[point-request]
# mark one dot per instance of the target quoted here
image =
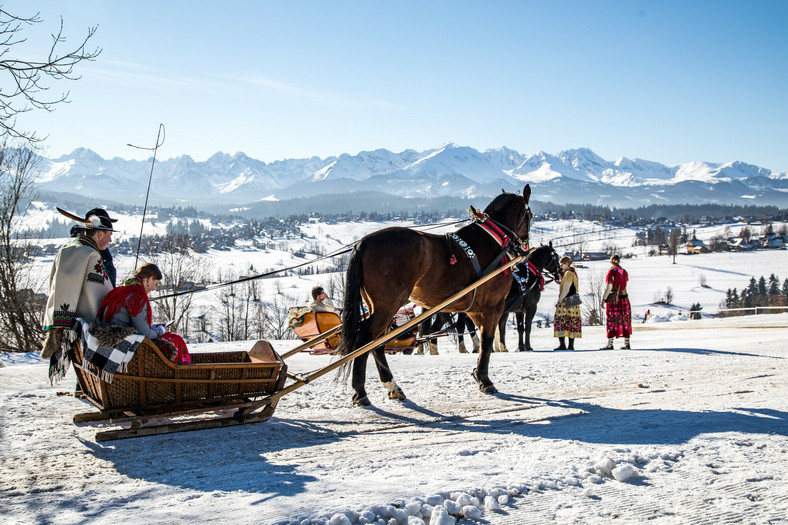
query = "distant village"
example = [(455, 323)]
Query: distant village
[(220, 232)]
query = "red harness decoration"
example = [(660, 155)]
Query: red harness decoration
[(495, 232), (534, 270)]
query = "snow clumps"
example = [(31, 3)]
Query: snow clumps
[(607, 468)]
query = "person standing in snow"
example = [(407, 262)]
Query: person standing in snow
[(78, 281), (567, 322), (617, 308)]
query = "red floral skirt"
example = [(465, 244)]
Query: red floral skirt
[(619, 318)]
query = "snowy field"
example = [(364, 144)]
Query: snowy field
[(701, 279), (688, 427), (691, 426)]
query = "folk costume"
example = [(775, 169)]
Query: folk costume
[(77, 285), (106, 256), (618, 311), (567, 321), (129, 305)]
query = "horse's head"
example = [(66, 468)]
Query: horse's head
[(553, 267), (511, 210), (545, 258)]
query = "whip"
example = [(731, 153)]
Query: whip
[(155, 149)]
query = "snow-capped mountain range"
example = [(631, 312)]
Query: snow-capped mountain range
[(577, 175)]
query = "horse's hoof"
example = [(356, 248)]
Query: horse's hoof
[(361, 401), (488, 389), (397, 394)]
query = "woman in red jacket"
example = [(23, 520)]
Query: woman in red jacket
[(617, 308), (128, 305)]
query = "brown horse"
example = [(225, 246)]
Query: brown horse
[(389, 267)]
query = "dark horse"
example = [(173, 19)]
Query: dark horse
[(459, 325), (523, 304), (389, 267)]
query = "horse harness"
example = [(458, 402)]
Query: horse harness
[(522, 281), (500, 234)]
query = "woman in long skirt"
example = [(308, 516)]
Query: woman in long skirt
[(617, 308), (567, 318)]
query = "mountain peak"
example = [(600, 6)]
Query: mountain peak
[(578, 174)]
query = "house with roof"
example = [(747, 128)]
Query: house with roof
[(697, 246), (739, 245), (773, 241)]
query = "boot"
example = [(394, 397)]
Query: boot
[(571, 343), (433, 347), (626, 344), (609, 344), (561, 344)]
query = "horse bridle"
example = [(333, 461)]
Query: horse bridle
[(518, 242), (554, 257)]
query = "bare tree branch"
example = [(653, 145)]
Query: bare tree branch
[(23, 83)]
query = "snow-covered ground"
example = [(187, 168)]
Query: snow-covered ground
[(688, 427), (691, 426)]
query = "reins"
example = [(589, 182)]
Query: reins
[(340, 251)]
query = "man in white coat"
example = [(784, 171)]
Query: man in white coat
[(79, 281)]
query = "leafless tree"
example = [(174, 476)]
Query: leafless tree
[(593, 305), (673, 243), (183, 270), (718, 243), (277, 322), (21, 300), (229, 311), (26, 82)]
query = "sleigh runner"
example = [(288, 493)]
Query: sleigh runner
[(153, 387)]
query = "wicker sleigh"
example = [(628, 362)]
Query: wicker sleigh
[(152, 387)]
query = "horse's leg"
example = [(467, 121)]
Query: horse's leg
[(459, 328), (461, 340), (486, 324), (465, 321), (530, 312), (386, 377), (359, 377), (522, 330), (426, 328), (501, 339)]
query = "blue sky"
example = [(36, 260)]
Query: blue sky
[(671, 82)]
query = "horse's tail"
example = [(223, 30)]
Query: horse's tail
[(351, 308)]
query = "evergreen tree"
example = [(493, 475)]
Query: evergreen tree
[(774, 289), (750, 294), (762, 291), (785, 292)]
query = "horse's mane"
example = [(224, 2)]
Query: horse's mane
[(499, 203)]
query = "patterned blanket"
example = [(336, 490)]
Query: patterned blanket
[(105, 361)]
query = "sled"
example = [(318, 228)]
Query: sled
[(308, 324), (152, 387)]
